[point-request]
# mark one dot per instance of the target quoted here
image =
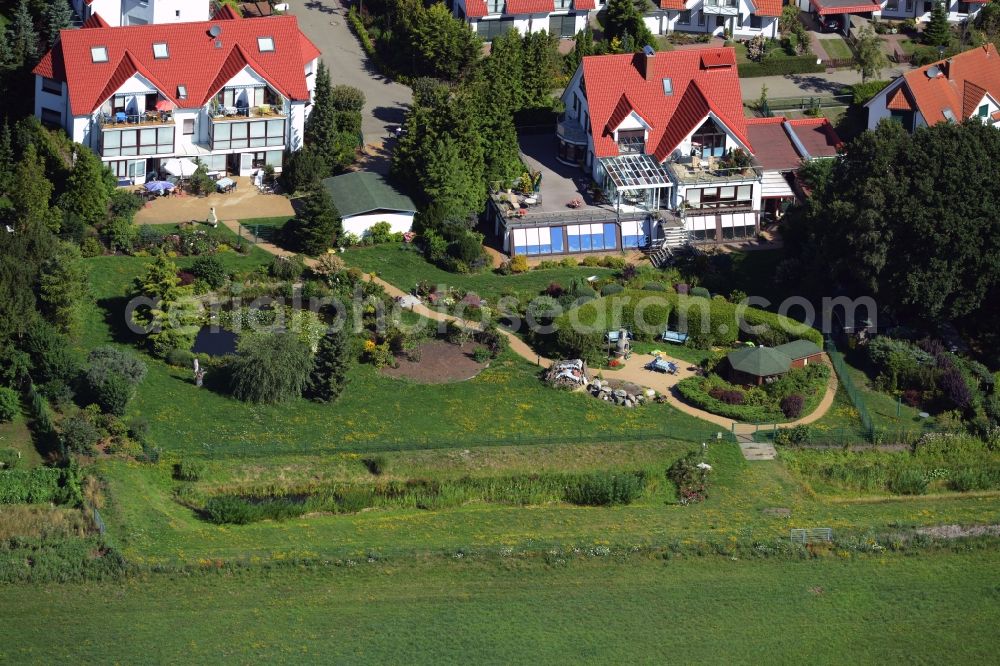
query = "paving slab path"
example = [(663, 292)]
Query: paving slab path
[(633, 371)]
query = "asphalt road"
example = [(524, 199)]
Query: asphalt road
[(325, 23)]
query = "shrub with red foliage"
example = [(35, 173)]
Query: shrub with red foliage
[(953, 385), (186, 278), (913, 397), (733, 397), (555, 290), (791, 405)]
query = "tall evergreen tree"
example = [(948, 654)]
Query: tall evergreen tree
[(6, 161), (624, 22), (63, 285), (541, 65), (321, 126), (58, 16), (86, 196), (32, 191), (330, 367), (317, 227), (937, 32), (25, 39)]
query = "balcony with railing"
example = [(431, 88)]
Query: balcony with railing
[(121, 119), (724, 7), (695, 171), (220, 113)]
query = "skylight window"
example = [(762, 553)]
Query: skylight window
[(265, 44), (99, 53), (160, 51), (668, 87), (948, 114), (182, 91)]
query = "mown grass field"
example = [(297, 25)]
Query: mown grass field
[(403, 266), (942, 608)]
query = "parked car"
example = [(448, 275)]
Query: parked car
[(832, 24)]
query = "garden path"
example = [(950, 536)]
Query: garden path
[(633, 371)]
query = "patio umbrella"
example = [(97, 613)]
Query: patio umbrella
[(164, 105), (181, 167), (159, 186)]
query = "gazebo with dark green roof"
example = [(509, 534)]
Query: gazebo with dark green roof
[(752, 365)]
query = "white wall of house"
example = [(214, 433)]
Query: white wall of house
[(359, 224), (921, 10), (531, 23), (141, 12), (179, 11), (48, 104), (666, 21)]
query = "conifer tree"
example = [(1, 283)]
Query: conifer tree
[(25, 42), (317, 227), (86, 195), (32, 189), (937, 32), (329, 374), (58, 15), (321, 126)]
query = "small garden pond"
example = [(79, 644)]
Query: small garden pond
[(215, 341)]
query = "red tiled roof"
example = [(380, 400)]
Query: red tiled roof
[(996, 115), (584, 4), (194, 62), (696, 91), (817, 136), (961, 77), (95, 21), (773, 147), (718, 58), (475, 8), (677, 5), (767, 7), (834, 8), (899, 100), (529, 7), (621, 112)]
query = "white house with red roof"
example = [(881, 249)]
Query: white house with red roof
[(668, 154), (490, 18), (143, 12), (743, 18), (965, 86), (232, 93)]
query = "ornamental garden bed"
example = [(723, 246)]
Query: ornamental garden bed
[(795, 394), (438, 362)]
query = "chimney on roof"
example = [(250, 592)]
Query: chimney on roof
[(645, 62)]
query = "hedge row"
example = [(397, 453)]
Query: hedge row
[(693, 392), (863, 92), (778, 66), (580, 331)]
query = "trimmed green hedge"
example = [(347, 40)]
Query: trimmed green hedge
[(580, 331), (863, 92), (778, 66)]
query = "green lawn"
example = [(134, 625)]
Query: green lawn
[(403, 266), (888, 609), (837, 48), (16, 435)]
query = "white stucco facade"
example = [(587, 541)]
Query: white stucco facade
[(399, 221), (142, 12), (714, 17)]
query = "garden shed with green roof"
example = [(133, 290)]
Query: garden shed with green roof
[(755, 365), (365, 198)]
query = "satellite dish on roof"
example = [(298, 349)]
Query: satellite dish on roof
[(215, 31), (933, 72), (648, 51)]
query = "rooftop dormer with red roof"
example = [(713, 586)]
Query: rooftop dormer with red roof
[(231, 93), (967, 85)]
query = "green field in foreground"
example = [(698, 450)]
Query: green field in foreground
[(938, 608)]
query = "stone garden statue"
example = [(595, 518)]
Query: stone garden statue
[(199, 374), (213, 219)]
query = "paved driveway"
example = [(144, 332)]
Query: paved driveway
[(325, 23)]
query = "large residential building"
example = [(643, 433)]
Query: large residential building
[(890, 10), (232, 93), (143, 12), (565, 18), (964, 86), (489, 18), (654, 151), (743, 18)]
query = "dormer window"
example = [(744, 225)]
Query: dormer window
[(265, 44), (99, 53), (631, 141), (160, 51), (182, 91)]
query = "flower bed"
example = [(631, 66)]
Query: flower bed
[(758, 404)]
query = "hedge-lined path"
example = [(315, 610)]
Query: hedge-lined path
[(633, 371)]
